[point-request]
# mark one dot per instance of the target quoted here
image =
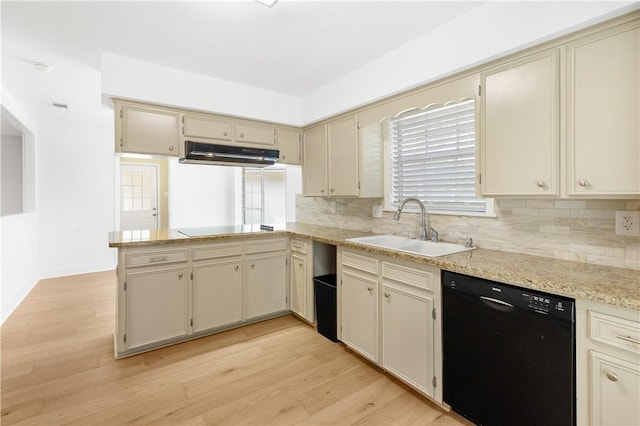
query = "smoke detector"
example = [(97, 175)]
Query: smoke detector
[(60, 105)]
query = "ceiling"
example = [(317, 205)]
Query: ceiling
[(293, 48)]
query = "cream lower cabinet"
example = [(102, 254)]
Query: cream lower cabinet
[(217, 285), (388, 315), (407, 325), (607, 365), (169, 295), (157, 305), (266, 278), (217, 294), (301, 279)]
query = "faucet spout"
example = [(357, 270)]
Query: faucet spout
[(423, 220)]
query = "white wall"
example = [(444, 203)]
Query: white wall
[(201, 195), (76, 194), (486, 32), (143, 81), (19, 265)]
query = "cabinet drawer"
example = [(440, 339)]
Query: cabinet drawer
[(407, 275), (362, 263), (156, 258), (299, 246), (617, 332), (260, 246), (255, 133), (218, 250)]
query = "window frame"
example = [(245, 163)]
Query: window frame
[(388, 204)]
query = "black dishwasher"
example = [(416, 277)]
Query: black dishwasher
[(508, 353)]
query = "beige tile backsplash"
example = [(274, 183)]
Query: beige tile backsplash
[(580, 230)]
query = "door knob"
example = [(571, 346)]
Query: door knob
[(612, 376)]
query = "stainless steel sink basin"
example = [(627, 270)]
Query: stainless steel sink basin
[(409, 245)]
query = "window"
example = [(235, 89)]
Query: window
[(264, 199), (432, 156)]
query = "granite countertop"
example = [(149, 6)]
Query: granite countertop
[(615, 286)]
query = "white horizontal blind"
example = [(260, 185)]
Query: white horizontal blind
[(433, 156)]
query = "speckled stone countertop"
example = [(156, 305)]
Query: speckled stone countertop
[(615, 286)]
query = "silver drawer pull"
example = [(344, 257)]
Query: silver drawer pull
[(628, 339), (158, 259), (612, 376)]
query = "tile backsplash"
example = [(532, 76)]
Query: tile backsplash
[(580, 230)]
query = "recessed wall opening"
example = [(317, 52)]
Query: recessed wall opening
[(17, 167)]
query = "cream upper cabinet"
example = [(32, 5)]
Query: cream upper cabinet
[(343, 157), (603, 99), (314, 169), (288, 143), (341, 160), (224, 130), (207, 127), (146, 130), (254, 133), (518, 127)]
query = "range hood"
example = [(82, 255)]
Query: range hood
[(225, 155)]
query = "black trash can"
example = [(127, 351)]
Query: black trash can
[(325, 289)]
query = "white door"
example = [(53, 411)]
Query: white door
[(138, 197)]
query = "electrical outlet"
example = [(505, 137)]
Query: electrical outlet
[(628, 223), (377, 211)]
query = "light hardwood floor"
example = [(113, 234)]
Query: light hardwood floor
[(58, 368)]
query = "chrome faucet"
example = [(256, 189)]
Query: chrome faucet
[(423, 222)]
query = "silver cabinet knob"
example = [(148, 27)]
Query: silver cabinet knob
[(541, 184), (225, 133), (154, 214), (583, 182), (242, 135), (322, 190), (171, 148), (370, 288), (235, 267), (612, 376), (284, 157), (253, 265), (332, 190), (180, 275), (386, 294)]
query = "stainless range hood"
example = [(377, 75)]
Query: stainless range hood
[(225, 155)]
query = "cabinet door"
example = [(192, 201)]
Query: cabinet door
[(407, 335), (289, 146), (519, 134), (207, 127), (298, 284), (156, 306), (343, 157), (266, 284), (217, 294), (314, 167), (360, 313), (255, 133), (604, 106), (149, 130), (615, 391)]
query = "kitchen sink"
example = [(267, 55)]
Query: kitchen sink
[(411, 245)]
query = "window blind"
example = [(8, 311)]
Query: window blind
[(433, 156)]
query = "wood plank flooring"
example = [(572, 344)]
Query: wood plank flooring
[(58, 368)]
